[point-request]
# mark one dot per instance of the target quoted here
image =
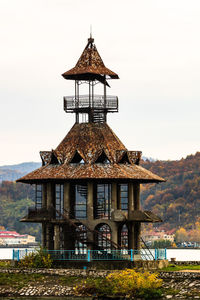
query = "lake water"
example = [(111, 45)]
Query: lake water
[(179, 254)]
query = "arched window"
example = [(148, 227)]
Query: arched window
[(124, 236), (103, 237), (81, 239)]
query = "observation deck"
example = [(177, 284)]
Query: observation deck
[(86, 103)]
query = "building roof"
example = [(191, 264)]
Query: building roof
[(90, 66), (5, 232), (91, 151)]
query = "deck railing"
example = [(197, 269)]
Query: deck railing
[(97, 102), (95, 255)]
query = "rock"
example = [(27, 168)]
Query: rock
[(191, 284)]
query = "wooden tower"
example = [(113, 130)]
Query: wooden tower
[(88, 188)]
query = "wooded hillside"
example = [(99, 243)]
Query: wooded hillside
[(176, 201), (15, 198)]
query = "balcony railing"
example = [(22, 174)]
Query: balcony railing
[(85, 103), (95, 255)]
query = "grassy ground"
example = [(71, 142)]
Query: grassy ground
[(49, 298), (172, 267), (21, 280), (5, 264)]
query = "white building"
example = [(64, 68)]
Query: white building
[(14, 238)]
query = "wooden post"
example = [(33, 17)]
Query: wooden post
[(44, 237), (67, 199), (114, 196), (131, 244), (114, 235), (44, 195), (90, 212), (136, 196), (56, 237), (49, 236), (130, 198), (137, 235), (50, 195)]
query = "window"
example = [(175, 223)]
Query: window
[(103, 159), (103, 201), (59, 200), (123, 196), (77, 159), (124, 159), (124, 236), (79, 201), (38, 196), (103, 236), (83, 118), (81, 239)]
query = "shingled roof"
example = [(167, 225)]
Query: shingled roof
[(90, 66), (91, 151)]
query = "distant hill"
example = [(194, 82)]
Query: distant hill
[(13, 172), (176, 201)]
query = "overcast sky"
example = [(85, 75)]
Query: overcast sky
[(154, 46)]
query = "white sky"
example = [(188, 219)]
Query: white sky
[(154, 46)]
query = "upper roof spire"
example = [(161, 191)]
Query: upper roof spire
[(90, 65), (90, 31), (90, 70)]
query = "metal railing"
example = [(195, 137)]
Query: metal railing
[(21, 253), (147, 251), (95, 255), (97, 102)]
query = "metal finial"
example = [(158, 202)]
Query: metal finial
[(90, 40)]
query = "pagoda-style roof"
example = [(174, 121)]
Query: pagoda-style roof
[(90, 66), (91, 151)]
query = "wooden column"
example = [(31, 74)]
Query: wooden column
[(44, 237), (130, 198), (136, 196), (68, 237), (137, 235), (114, 235), (90, 210), (50, 195), (131, 243), (137, 225), (49, 237), (56, 237), (114, 196), (49, 226), (67, 230), (44, 195), (67, 199)]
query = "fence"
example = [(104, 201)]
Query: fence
[(96, 102), (94, 255), (20, 253)]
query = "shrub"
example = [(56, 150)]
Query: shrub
[(123, 283), (38, 259)]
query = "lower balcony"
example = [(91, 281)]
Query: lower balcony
[(38, 215)]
